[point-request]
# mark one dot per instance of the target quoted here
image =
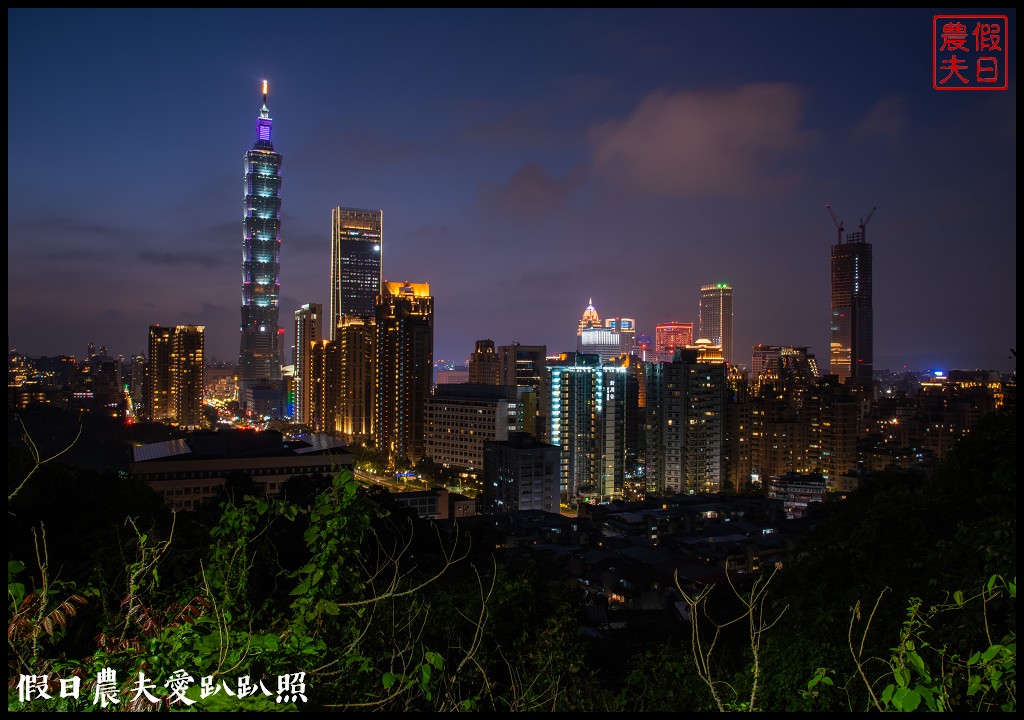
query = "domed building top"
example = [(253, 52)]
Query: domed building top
[(590, 318)]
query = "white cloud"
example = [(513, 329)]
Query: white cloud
[(704, 142)]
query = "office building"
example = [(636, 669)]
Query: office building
[(484, 365), (590, 318), (716, 317), (460, 418), (520, 473), (608, 340), (669, 337), (259, 361), (451, 376), (174, 376), (851, 351), (308, 324), (643, 348), (405, 360), (626, 329), (355, 264)]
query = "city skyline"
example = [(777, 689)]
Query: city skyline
[(527, 160)]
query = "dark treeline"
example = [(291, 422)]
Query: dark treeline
[(383, 611)]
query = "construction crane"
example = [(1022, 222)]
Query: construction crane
[(838, 222), (864, 221)]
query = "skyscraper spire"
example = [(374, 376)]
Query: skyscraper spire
[(259, 355), (263, 123)]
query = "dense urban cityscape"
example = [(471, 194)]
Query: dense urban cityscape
[(588, 526), (617, 416)]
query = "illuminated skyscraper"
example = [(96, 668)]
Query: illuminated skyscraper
[(669, 337), (851, 349), (590, 319), (259, 360), (355, 264), (608, 340), (589, 406), (716, 317), (308, 323), (405, 361), (174, 376), (357, 352)]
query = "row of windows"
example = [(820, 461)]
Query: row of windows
[(254, 472)]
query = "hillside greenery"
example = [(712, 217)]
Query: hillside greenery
[(903, 598)]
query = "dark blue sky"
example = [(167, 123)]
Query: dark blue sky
[(525, 161)]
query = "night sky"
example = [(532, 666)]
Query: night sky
[(525, 162)]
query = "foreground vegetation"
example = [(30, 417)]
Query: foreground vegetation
[(339, 599)]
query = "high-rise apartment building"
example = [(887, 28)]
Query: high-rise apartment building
[(526, 367), (669, 337), (355, 264), (357, 357), (716, 317), (736, 444), (686, 401), (589, 404), (174, 376), (137, 385), (778, 359), (324, 386), (851, 351), (308, 329), (405, 359), (259, 360), (834, 429)]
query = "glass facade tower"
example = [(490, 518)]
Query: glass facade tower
[(716, 317), (355, 264), (259, 360)]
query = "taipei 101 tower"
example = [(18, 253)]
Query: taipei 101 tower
[(259, 358)]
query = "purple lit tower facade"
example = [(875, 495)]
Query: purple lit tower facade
[(259, 360)]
